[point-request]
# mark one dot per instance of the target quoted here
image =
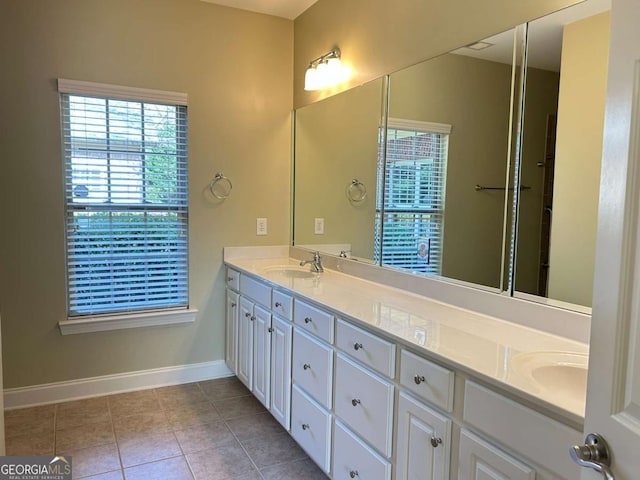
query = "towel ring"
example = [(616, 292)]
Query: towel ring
[(356, 191), (223, 185)]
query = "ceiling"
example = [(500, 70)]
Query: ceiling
[(280, 8)]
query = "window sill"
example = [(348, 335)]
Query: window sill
[(130, 320)]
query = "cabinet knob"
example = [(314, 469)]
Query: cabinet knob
[(252, 318), (278, 304), (355, 402), (353, 473), (230, 279), (419, 379), (248, 314), (307, 320), (357, 346), (435, 441), (233, 305), (305, 426), (270, 329), (306, 366)]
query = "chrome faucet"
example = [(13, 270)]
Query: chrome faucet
[(316, 263)]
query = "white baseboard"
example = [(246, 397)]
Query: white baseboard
[(110, 384)]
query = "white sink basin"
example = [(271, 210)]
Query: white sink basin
[(564, 373), (290, 271)]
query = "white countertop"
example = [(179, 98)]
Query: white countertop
[(498, 351)]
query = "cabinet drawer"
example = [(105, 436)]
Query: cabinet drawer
[(352, 458), (427, 380), (313, 367), (481, 460), (314, 320), (513, 425), (370, 349), (233, 279), (255, 290), (364, 401), (282, 304), (311, 427)]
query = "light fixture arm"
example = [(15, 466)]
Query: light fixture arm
[(334, 53)]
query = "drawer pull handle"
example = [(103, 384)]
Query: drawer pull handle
[(353, 473), (435, 441), (247, 314), (419, 379), (306, 366), (278, 304), (355, 402), (253, 317), (307, 320), (305, 426), (357, 346)]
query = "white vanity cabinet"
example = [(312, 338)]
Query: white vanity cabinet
[(365, 406), (262, 341), (312, 375)]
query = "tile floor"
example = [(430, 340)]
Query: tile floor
[(213, 430)]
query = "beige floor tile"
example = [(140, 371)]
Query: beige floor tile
[(132, 403), (89, 435), (192, 414), (170, 469), (222, 389), (38, 443), (29, 420), (204, 437), (116, 475), (302, 469), (94, 460), (153, 422), (82, 412), (237, 407), (252, 426), (180, 395), (273, 450), (224, 463), (145, 448)]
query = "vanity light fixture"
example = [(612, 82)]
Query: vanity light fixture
[(325, 71)]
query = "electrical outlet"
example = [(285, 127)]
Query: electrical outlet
[(319, 226), (261, 226)]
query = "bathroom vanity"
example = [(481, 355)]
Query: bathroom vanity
[(375, 382)]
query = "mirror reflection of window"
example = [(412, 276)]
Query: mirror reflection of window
[(410, 213)]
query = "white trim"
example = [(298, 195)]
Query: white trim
[(110, 384), (103, 323), (417, 125), (120, 91)]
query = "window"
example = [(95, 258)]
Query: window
[(411, 175), (126, 198)]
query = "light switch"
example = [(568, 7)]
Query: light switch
[(261, 226), (319, 226)]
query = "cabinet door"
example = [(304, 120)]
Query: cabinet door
[(281, 337), (245, 343), (262, 354), (479, 460), (424, 438), (232, 309)]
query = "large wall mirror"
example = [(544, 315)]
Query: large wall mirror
[(564, 103), (417, 170)]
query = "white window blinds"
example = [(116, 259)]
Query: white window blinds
[(126, 197), (410, 214)]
